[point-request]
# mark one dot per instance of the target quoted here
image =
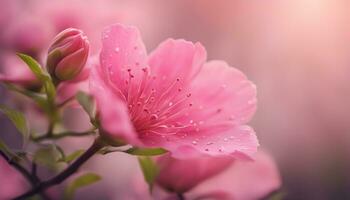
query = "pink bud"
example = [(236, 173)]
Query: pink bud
[(67, 54)]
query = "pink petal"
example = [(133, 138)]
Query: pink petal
[(71, 65), (243, 180), (123, 56), (222, 93), (176, 60), (113, 112), (182, 175), (222, 99), (239, 142)]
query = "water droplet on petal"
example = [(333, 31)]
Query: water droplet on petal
[(170, 103), (194, 142), (225, 139), (210, 143), (117, 50), (154, 117)]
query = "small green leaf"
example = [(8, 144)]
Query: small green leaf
[(47, 156), (34, 66), (150, 170), (72, 156), (41, 75), (81, 181), (146, 152), (17, 118), (86, 101)]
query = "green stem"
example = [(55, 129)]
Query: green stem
[(33, 180), (42, 186), (62, 135)]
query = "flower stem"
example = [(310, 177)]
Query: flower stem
[(42, 186), (34, 180), (62, 135)]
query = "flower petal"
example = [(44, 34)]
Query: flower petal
[(181, 175), (112, 110), (123, 55), (222, 93), (242, 180), (176, 59)]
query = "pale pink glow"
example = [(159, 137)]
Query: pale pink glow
[(172, 99), (12, 183), (17, 72)]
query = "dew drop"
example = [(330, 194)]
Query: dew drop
[(191, 121), (225, 139), (170, 103), (194, 142), (117, 50), (210, 143), (154, 117)]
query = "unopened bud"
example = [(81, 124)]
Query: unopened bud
[(67, 54)]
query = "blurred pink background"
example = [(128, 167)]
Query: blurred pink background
[(296, 52)]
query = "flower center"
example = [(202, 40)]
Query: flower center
[(155, 104)]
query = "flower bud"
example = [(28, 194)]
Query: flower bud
[(67, 54)]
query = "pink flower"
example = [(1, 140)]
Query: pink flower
[(181, 175), (172, 98), (67, 54)]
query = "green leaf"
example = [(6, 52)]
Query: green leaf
[(146, 152), (81, 181), (17, 118), (86, 101), (34, 66), (47, 156), (72, 156), (41, 75), (150, 170)]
